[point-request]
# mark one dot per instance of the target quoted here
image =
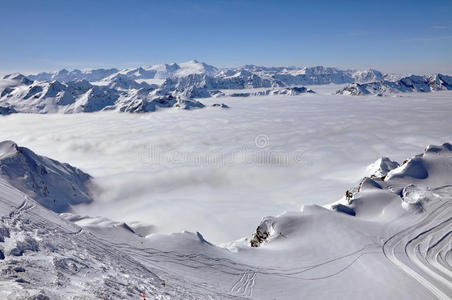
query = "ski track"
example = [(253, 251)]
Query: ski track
[(420, 249), (244, 286), (25, 206), (246, 274)]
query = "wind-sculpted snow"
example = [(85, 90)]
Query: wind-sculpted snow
[(411, 83), (54, 185), (399, 238), (412, 206), (381, 167)]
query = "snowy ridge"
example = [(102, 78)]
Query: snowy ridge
[(411, 83), (82, 96), (54, 185), (66, 76), (400, 233), (161, 71)]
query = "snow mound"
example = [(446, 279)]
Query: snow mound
[(414, 168), (381, 167), (101, 225), (406, 214), (56, 186)]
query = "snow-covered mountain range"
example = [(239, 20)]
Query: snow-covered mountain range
[(411, 83), (287, 75), (392, 230), (135, 90)]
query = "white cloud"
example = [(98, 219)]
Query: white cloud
[(227, 202)]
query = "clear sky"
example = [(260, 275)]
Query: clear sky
[(393, 36)]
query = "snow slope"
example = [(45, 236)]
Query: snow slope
[(54, 185), (399, 239)]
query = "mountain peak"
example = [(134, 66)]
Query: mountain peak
[(55, 185)]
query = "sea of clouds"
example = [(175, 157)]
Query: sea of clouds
[(219, 171)]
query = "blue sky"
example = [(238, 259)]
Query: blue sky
[(404, 36)]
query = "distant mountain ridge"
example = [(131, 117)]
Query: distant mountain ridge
[(175, 85), (65, 75), (411, 83), (288, 75)]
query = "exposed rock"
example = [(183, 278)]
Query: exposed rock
[(263, 232)]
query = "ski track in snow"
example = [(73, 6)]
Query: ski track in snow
[(25, 206), (244, 286), (421, 250)]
